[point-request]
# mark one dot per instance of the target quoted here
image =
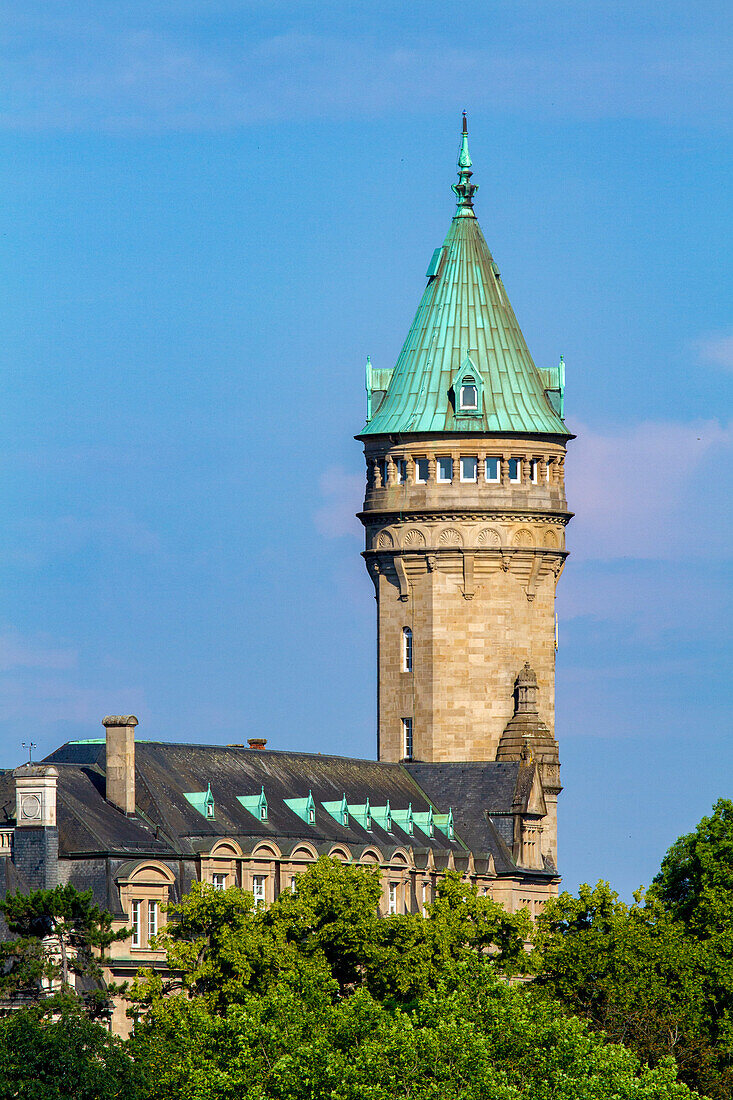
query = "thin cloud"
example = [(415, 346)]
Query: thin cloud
[(717, 349), (131, 72), (647, 491)]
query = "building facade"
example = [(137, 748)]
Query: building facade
[(464, 516)]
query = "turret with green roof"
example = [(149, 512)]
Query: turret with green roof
[(465, 326), (465, 517)]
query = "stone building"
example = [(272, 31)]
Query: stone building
[(464, 516)]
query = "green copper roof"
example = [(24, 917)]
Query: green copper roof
[(465, 325)]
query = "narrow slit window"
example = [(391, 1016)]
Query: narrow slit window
[(407, 738), (425, 898), (493, 469), (392, 898), (293, 884), (468, 469), (406, 649), (515, 470), (422, 469), (533, 471), (445, 469), (135, 923), (152, 919), (383, 471), (401, 470)]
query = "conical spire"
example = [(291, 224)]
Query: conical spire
[(464, 325), (464, 190)]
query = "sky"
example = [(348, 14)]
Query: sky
[(212, 212)]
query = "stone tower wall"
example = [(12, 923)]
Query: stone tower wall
[(471, 569)]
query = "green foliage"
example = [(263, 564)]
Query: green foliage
[(329, 934), (61, 934), (478, 1039), (69, 1058), (319, 997), (695, 882), (644, 977)]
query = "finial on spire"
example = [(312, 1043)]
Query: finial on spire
[(464, 189)]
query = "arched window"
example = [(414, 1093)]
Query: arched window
[(468, 393), (406, 649)]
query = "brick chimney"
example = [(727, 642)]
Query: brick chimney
[(121, 761), (36, 837), (257, 742)]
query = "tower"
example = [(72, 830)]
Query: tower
[(465, 514)]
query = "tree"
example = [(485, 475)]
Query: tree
[(61, 935), (329, 932), (695, 881), (318, 997), (484, 1039), (68, 1058)]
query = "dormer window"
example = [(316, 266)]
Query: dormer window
[(311, 816), (468, 394), (467, 386)]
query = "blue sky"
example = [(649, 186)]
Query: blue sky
[(212, 213)]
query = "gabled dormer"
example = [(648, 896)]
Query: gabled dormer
[(467, 390), (339, 811), (305, 808), (256, 804), (203, 801)]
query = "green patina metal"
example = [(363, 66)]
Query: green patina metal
[(405, 819), (203, 801), (362, 814), (465, 315), (256, 804), (444, 822), (305, 808), (339, 811), (425, 821)]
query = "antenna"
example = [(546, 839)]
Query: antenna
[(30, 746)]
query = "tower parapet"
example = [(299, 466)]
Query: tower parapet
[(464, 511)]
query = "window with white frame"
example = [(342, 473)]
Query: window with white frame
[(515, 470), (312, 816), (468, 468), (407, 738), (258, 889), (152, 919), (445, 469), (219, 880), (406, 649), (401, 470), (293, 884), (533, 470), (135, 939), (425, 898), (422, 471), (383, 470), (469, 394), (493, 469), (392, 909)]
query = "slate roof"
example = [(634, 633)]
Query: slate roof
[(167, 825), (464, 311)]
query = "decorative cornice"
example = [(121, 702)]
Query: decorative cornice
[(516, 515)]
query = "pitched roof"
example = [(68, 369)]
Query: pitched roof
[(465, 313), (166, 823)]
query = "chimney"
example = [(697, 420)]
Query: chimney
[(121, 761), (257, 742), (36, 837)]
